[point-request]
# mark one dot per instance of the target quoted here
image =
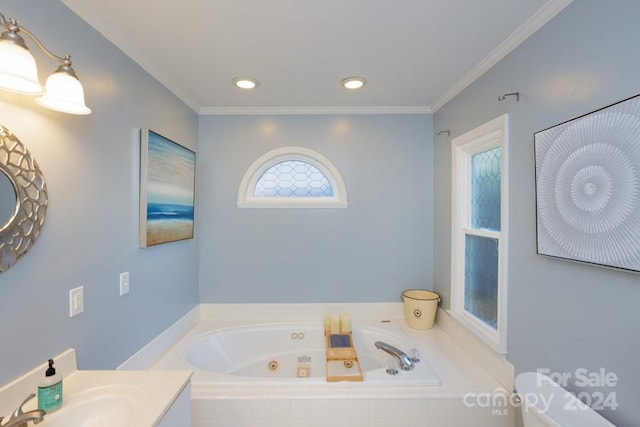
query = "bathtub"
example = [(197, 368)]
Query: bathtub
[(245, 361), (282, 356)]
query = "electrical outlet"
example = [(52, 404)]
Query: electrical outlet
[(76, 301), (124, 283)]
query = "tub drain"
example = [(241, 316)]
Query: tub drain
[(272, 365)]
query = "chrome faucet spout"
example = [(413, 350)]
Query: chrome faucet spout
[(406, 364)]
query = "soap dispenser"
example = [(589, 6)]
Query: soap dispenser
[(50, 390)]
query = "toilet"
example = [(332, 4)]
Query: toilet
[(545, 403)]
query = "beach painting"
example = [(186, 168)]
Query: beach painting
[(167, 190)]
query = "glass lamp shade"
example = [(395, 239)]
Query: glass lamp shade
[(18, 71), (63, 92)]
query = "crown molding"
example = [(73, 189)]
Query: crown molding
[(523, 32), (293, 110), (534, 23), (115, 37)]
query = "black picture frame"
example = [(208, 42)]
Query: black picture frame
[(587, 179)]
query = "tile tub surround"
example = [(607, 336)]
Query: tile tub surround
[(158, 390), (452, 403), (347, 412)]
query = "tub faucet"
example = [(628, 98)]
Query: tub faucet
[(406, 364), (20, 418)]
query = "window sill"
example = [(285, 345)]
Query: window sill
[(479, 332)]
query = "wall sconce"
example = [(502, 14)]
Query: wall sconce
[(18, 72)]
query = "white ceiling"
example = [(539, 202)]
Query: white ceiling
[(415, 54)]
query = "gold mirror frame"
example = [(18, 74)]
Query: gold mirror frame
[(19, 234)]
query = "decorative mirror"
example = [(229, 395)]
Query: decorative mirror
[(23, 199)]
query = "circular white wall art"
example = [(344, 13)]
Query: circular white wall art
[(588, 187)]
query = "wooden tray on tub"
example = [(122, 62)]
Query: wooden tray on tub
[(342, 362)]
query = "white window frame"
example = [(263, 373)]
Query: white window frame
[(485, 137), (246, 199)]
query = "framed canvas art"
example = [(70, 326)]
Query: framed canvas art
[(167, 190), (588, 187)]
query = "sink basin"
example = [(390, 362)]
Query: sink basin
[(109, 398), (104, 406)]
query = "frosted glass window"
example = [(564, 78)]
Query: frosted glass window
[(480, 222), (485, 190), (293, 178), (481, 278)]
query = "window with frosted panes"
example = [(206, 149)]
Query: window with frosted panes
[(292, 177), (479, 231)]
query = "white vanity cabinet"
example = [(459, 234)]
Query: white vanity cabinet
[(179, 414)]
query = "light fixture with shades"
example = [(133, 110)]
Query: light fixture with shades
[(353, 82), (18, 72)]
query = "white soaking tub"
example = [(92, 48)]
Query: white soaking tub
[(270, 356), (245, 361)]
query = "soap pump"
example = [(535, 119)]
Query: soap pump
[(50, 390)]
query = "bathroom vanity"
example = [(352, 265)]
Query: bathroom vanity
[(114, 398)]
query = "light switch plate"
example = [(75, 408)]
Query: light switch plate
[(124, 283), (76, 301)]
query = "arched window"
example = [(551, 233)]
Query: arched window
[(292, 177)]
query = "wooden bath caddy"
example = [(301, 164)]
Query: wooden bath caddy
[(342, 362)]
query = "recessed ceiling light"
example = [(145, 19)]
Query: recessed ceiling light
[(245, 82), (353, 82)]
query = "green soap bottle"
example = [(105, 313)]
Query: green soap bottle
[(50, 390)]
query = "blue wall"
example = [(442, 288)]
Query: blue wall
[(563, 316), (90, 236), (370, 251)]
